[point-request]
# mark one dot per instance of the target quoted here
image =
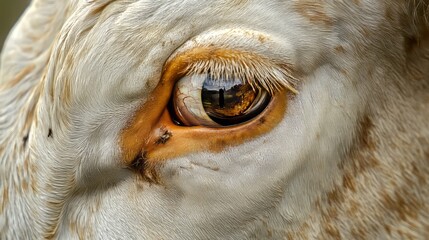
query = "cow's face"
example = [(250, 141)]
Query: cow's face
[(226, 119)]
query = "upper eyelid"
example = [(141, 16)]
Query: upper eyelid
[(257, 70)]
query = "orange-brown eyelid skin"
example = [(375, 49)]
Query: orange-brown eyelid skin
[(153, 136), (184, 140)]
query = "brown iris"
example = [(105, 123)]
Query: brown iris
[(202, 100), (231, 102)]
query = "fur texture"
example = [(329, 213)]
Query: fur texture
[(350, 159)]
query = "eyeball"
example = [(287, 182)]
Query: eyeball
[(202, 100)]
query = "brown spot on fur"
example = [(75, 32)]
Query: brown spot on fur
[(33, 168), (14, 81), (364, 162), (366, 126), (353, 208), (72, 226), (332, 213), (349, 182), (33, 185), (303, 231), (27, 48), (335, 196), (262, 38), (344, 72), (4, 199), (100, 8), (66, 92), (358, 233), (402, 203), (332, 231), (388, 229), (269, 233), (340, 49), (410, 43), (29, 119), (366, 32), (362, 157), (388, 14), (314, 12), (24, 185), (26, 165)]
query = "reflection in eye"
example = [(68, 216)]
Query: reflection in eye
[(201, 100)]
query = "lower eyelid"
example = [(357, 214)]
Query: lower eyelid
[(184, 140)]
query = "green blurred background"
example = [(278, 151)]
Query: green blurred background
[(10, 11)]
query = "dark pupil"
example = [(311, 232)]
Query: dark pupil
[(227, 101)]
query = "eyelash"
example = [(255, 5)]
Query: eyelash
[(257, 71)]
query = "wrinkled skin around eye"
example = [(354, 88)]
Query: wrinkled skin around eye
[(201, 100)]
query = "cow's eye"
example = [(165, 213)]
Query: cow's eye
[(203, 100)]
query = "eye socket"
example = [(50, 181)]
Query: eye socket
[(200, 99)]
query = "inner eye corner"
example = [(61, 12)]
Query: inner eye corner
[(172, 113)]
